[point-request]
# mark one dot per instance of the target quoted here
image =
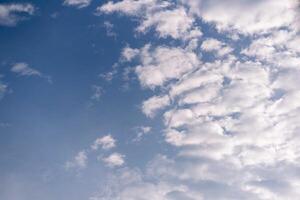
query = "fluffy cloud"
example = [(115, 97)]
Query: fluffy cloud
[(162, 64), (114, 160), (158, 14), (153, 104), (11, 14), (213, 45), (265, 15), (77, 3), (106, 142), (233, 118)]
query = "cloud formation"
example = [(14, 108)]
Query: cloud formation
[(11, 14), (106, 142), (114, 160), (23, 69), (232, 118)]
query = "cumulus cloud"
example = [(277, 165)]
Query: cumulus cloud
[(213, 45), (114, 160), (77, 3), (106, 142), (162, 64), (265, 15), (233, 119), (11, 14), (154, 104)]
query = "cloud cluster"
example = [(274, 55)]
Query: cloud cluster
[(11, 14), (233, 119), (106, 143)]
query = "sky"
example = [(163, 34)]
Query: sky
[(149, 100)]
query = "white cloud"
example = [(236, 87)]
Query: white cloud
[(114, 160), (109, 29), (106, 142), (265, 15), (23, 69), (141, 132), (163, 64), (129, 53), (213, 45), (175, 23), (234, 119), (154, 104), (77, 3), (133, 7), (157, 14), (11, 14), (79, 161)]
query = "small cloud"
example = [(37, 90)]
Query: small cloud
[(23, 69), (114, 160), (3, 89), (79, 161), (108, 76), (77, 3), (129, 53), (11, 14), (109, 29), (105, 142), (141, 132), (97, 92)]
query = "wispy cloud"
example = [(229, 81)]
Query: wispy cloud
[(77, 3), (106, 142), (23, 69), (11, 14)]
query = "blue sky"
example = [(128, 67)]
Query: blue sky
[(149, 99)]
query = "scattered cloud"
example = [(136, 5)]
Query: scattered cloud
[(160, 15), (106, 142), (141, 132), (79, 161), (13, 13), (213, 45), (114, 160), (23, 69), (97, 92), (77, 3), (233, 119), (152, 105), (109, 27)]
